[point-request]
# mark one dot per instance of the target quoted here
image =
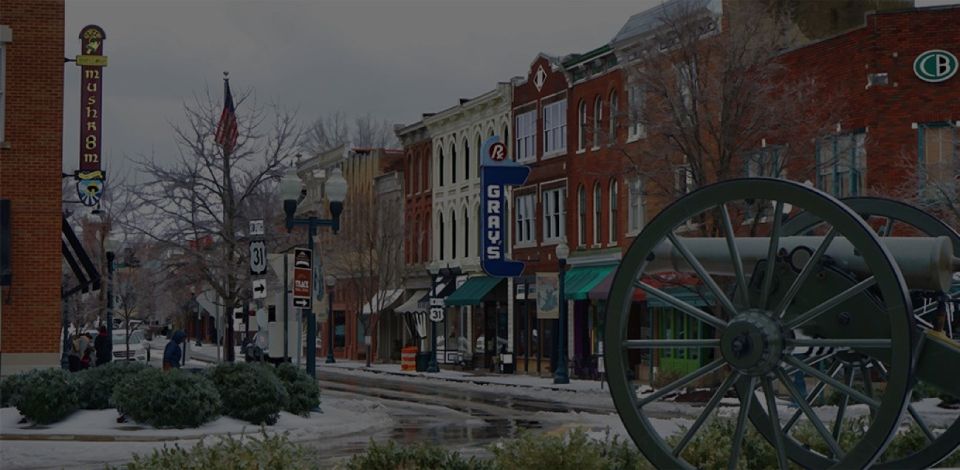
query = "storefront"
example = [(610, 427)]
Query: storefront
[(481, 320), (587, 317)]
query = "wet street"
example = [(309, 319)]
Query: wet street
[(467, 420)]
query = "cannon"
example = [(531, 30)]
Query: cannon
[(809, 289)]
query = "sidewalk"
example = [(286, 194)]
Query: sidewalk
[(474, 377)]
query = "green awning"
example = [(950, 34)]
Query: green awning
[(690, 296), (580, 281), (473, 291)]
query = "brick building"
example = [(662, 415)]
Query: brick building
[(540, 130), (31, 121)]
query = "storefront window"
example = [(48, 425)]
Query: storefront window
[(339, 329)]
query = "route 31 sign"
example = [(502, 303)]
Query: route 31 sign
[(258, 258)]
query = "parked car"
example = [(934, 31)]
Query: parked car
[(138, 346)]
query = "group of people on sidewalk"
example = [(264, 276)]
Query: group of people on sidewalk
[(85, 350)]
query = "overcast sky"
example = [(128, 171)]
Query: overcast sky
[(395, 59)]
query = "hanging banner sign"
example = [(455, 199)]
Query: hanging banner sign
[(302, 277), (91, 61), (497, 172)]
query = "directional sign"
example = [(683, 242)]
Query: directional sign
[(258, 257), (256, 227), (260, 288), (436, 302), (302, 277), (436, 314)]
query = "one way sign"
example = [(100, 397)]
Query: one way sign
[(259, 288)]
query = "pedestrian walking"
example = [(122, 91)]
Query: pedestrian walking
[(100, 345), (75, 354), (172, 354), (86, 349)]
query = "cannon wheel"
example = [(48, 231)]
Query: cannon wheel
[(892, 213), (636, 412)]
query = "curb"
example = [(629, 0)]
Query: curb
[(448, 379)]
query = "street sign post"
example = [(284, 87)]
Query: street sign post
[(302, 277), (260, 288), (256, 227), (258, 257)]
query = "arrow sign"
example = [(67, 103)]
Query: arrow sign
[(259, 288)]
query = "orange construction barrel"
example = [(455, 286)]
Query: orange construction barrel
[(408, 358)]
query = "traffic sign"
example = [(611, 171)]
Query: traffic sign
[(436, 302), (302, 277), (258, 257), (436, 314), (256, 227), (260, 288)]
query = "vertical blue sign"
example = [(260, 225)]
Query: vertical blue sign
[(496, 173)]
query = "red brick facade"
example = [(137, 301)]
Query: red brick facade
[(418, 204), (890, 115), (548, 170), (30, 166)]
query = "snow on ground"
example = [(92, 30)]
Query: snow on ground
[(57, 445)]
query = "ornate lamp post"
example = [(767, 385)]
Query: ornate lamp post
[(561, 375), (331, 282), (336, 192)]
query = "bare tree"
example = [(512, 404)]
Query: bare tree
[(367, 256), (933, 182), (707, 91), (198, 205), (338, 128)]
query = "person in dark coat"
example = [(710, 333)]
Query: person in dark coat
[(100, 344), (171, 354)]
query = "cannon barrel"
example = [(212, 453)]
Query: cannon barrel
[(927, 263)]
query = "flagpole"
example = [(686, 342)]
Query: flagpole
[(228, 311)]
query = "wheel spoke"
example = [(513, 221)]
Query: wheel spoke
[(811, 397), (867, 386), (738, 434), (716, 364), (682, 306), (844, 401), (833, 382), (811, 415), (735, 256), (830, 303), (670, 343), (921, 423), (711, 405), (866, 343), (704, 276), (805, 272), (774, 415), (772, 255)]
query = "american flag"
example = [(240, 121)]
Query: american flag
[(227, 127)]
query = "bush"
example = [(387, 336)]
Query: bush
[(302, 390), (10, 386), (96, 384), (420, 456), (266, 452), (250, 392), (46, 396), (172, 398), (573, 450)]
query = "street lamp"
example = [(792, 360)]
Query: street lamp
[(331, 282), (561, 375), (336, 191)]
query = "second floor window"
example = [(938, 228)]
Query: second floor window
[(597, 118), (613, 212), (555, 127), (683, 179), (596, 214), (614, 111), (581, 125), (526, 136), (939, 160), (525, 209), (581, 217), (635, 216), (635, 102), (842, 164), (554, 211)]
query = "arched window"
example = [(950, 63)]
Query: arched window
[(597, 118), (614, 109), (613, 212), (596, 213), (414, 253), (440, 158), (466, 233), (581, 216), (480, 231), (441, 239), (453, 162), (453, 234), (466, 159), (506, 139), (480, 157), (581, 125)]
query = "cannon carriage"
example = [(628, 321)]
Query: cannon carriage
[(810, 289)]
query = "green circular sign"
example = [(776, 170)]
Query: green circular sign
[(935, 66)]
